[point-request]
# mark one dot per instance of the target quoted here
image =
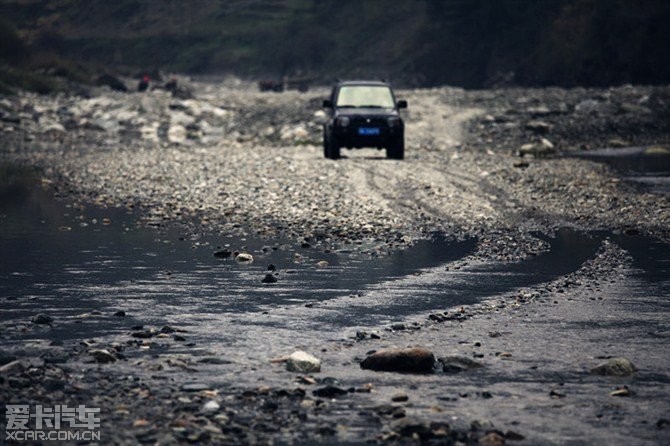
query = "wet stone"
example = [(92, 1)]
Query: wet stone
[(329, 392), (244, 257), (492, 439), (269, 278), (614, 367), (457, 364), (195, 387), (146, 334), (410, 360), (102, 356), (400, 398), (42, 319), (622, 392), (222, 254)]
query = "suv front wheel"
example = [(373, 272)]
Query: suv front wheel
[(396, 149), (331, 149)]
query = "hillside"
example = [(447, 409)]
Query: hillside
[(470, 43)]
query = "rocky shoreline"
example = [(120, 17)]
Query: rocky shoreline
[(235, 156), (233, 160)]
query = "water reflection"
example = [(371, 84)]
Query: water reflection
[(641, 165)]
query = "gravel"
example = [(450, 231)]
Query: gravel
[(234, 160), (253, 160)]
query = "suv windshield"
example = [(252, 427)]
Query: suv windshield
[(378, 96)]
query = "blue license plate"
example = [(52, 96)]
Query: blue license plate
[(368, 131)]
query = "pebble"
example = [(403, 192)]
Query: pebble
[(210, 406), (622, 392), (400, 398), (195, 387)]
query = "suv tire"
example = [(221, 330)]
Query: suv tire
[(396, 150), (330, 147)]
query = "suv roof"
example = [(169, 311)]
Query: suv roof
[(362, 82)]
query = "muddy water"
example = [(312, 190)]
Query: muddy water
[(71, 261)]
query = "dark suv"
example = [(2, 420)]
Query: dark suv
[(364, 114)]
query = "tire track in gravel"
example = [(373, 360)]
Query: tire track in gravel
[(435, 181)]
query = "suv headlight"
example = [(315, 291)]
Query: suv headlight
[(394, 121), (342, 121)]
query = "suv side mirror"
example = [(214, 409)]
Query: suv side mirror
[(327, 103), (402, 104)]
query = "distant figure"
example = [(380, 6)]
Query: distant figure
[(144, 83), (171, 85), (112, 82)]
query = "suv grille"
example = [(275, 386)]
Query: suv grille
[(368, 120)]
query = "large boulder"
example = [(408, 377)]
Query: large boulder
[(407, 360)]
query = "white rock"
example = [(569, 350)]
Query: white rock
[(298, 133), (303, 362), (211, 407), (126, 115), (181, 118), (546, 143), (177, 133), (244, 257), (150, 131), (53, 128)]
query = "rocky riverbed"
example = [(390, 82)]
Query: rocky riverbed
[(494, 167)]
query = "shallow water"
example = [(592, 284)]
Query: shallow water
[(67, 261), (651, 170)]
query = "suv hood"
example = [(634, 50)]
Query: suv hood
[(366, 112)]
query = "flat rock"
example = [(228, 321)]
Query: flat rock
[(329, 392), (195, 387), (407, 360)]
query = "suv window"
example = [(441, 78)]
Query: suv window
[(375, 96)]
